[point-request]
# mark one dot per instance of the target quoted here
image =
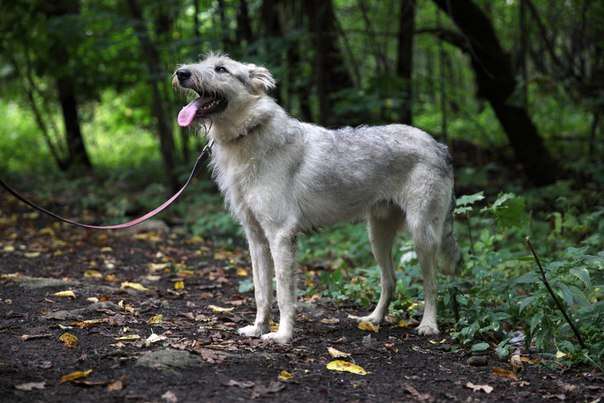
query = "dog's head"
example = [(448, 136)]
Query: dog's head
[(223, 87)]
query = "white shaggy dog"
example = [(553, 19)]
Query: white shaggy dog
[(282, 177)]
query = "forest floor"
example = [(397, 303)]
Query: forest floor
[(153, 317)]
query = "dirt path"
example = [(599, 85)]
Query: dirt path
[(142, 319)]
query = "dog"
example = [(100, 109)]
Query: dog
[(282, 177)]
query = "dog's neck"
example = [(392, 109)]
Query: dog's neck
[(249, 119)]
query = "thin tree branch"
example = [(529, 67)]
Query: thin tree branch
[(551, 292)]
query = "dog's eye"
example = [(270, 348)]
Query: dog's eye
[(220, 69)]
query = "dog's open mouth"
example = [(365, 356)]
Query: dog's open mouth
[(199, 108)]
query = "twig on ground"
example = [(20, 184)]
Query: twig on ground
[(551, 292)]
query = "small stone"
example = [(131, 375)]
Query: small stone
[(478, 360)]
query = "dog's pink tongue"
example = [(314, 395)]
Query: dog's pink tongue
[(187, 114)]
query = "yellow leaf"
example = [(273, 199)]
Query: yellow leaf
[(412, 306), (92, 274), (69, 340), (75, 375), (437, 341), (337, 353), (155, 319), (369, 327), (134, 286), (285, 376), (505, 373), (274, 327), (158, 266), (65, 294), (345, 366), (9, 248), (560, 354), (129, 337), (241, 272), (31, 255), (94, 300), (112, 278), (217, 309), (85, 324), (516, 362), (179, 285)]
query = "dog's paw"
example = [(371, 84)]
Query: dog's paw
[(252, 331), (373, 318), (277, 337), (426, 329)]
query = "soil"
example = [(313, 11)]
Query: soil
[(194, 353)]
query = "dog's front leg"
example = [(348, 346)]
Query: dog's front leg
[(262, 268), (283, 251)]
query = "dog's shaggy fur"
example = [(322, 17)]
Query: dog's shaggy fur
[(282, 177)]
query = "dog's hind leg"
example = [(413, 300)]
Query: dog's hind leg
[(426, 237), (262, 268), (384, 223)]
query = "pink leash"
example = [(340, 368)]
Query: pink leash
[(128, 224)]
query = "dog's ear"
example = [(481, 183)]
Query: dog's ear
[(261, 80)]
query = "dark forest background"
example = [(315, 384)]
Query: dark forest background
[(514, 87)]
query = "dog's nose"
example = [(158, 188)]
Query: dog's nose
[(183, 74)]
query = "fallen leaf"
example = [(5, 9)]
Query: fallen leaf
[(158, 266), (241, 272), (285, 376), (477, 388), (422, 397), (75, 375), (516, 362), (26, 337), (531, 361), (128, 337), (505, 373), (560, 354), (368, 326), (86, 324), (65, 294), (9, 248), (31, 255), (169, 397), (155, 319), (330, 321), (115, 386), (70, 340), (437, 341), (407, 324), (30, 386), (94, 300), (209, 355), (274, 327), (217, 309), (92, 274), (154, 338), (345, 366), (134, 286), (179, 285), (337, 353), (240, 384)]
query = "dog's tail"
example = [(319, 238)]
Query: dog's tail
[(449, 253)]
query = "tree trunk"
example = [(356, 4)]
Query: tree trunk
[(77, 156), (153, 63), (331, 75), (271, 28), (404, 61), (496, 83), (244, 27)]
